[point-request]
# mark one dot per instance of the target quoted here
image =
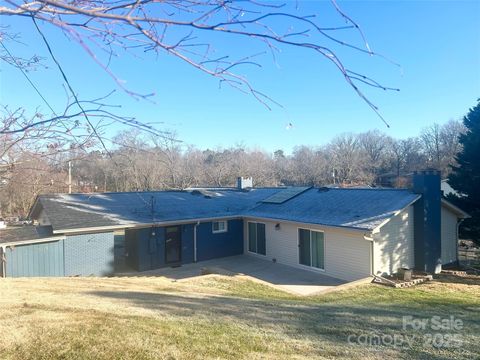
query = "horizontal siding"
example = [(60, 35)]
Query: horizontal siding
[(394, 244), (347, 254), (449, 236)]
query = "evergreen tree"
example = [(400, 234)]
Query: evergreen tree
[(465, 176)]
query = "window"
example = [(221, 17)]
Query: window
[(219, 227), (311, 248), (256, 238)]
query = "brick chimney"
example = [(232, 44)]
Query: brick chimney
[(427, 221)]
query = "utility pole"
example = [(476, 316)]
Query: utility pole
[(69, 176)]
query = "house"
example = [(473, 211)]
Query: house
[(343, 233)]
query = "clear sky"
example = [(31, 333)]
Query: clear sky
[(437, 44)]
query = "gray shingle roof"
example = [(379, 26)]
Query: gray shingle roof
[(71, 211), (353, 208), (26, 232)]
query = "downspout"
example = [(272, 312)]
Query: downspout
[(459, 222), (369, 237), (3, 260), (195, 241)]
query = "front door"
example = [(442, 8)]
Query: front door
[(173, 243)]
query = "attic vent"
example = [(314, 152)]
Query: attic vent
[(323, 189)]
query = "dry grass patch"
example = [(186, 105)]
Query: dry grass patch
[(220, 317)]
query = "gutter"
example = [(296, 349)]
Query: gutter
[(195, 241), (459, 222), (348, 229), (369, 237), (75, 231), (35, 241), (140, 225)]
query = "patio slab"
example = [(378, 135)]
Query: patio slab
[(283, 277)]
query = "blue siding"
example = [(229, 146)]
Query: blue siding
[(89, 254), (211, 246), (145, 251), (42, 259)]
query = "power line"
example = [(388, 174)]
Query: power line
[(69, 85), (19, 67), (28, 79)]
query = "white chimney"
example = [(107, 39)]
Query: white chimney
[(244, 183)]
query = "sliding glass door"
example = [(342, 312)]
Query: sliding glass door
[(256, 238), (311, 248)]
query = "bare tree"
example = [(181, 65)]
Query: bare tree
[(347, 162), (155, 164), (308, 166), (31, 176), (432, 143), (406, 156), (185, 29), (450, 137), (374, 145), (180, 28), (441, 144)]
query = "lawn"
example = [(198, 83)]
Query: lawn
[(221, 317)]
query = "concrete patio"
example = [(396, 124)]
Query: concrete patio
[(283, 277)]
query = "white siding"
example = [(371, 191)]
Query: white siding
[(449, 236), (347, 253), (394, 244)]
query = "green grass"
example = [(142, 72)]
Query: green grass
[(220, 317)]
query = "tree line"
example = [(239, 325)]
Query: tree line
[(140, 162)]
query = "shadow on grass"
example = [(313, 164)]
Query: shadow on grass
[(329, 321), (456, 279)]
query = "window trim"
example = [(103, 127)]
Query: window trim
[(310, 267), (248, 238), (224, 230)]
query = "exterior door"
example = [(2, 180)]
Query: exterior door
[(173, 244)]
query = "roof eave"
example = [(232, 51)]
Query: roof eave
[(142, 225), (341, 227), (462, 214), (386, 221), (32, 241)]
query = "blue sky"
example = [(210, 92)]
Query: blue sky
[(437, 44)]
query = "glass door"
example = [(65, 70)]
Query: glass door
[(311, 248), (173, 243)]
